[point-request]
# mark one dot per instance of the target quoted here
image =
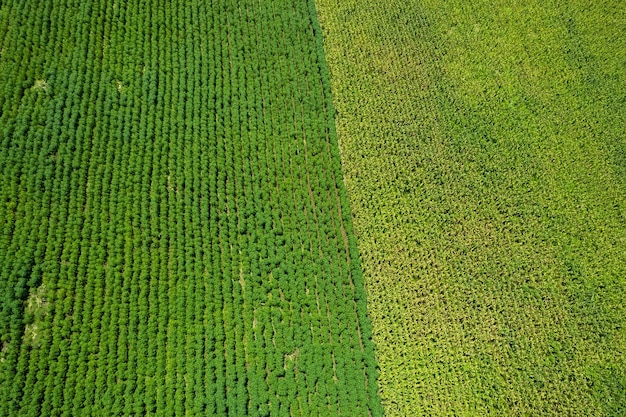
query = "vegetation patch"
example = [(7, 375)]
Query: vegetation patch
[(175, 236), (483, 150)]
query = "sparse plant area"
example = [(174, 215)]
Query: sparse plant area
[(40, 85)]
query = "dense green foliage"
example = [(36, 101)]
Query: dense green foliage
[(175, 236), (484, 155)]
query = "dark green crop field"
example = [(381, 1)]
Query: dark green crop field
[(484, 151), (175, 236)]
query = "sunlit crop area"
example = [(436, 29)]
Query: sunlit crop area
[(484, 152)]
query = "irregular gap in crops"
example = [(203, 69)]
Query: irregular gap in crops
[(483, 151), (175, 235)]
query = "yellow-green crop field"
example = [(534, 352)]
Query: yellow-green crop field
[(484, 151)]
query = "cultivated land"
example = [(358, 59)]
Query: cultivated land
[(484, 155), (175, 236)]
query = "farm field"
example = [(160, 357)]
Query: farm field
[(175, 235), (484, 155)]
